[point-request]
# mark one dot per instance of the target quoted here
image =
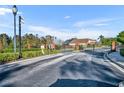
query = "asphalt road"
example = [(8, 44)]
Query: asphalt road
[(79, 69)]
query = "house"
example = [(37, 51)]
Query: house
[(67, 42), (77, 43), (52, 45)]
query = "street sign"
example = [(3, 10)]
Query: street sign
[(22, 20)]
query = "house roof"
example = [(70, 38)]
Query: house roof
[(81, 40)]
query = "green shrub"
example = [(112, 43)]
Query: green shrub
[(32, 49), (6, 57), (1, 51), (29, 54), (122, 52), (54, 51), (9, 50)]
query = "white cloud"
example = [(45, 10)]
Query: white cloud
[(4, 11), (101, 24), (94, 34), (66, 34), (60, 33), (67, 17), (93, 22)]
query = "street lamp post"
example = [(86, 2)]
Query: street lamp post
[(14, 10)]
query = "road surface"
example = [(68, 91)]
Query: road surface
[(79, 69)]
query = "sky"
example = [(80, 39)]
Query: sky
[(65, 21)]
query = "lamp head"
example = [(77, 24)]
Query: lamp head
[(14, 10)]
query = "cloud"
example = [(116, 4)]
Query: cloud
[(93, 33), (67, 17), (93, 22), (4, 11), (66, 34), (41, 30), (101, 24)]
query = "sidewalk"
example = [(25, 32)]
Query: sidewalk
[(116, 57), (118, 62)]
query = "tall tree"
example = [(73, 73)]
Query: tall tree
[(30, 40), (120, 37), (27, 40), (108, 41), (11, 43), (49, 40), (4, 40), (101, 37), (43, 41), (37, 41)]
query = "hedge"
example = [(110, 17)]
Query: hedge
[(29, 54), (54, 51), (6, 57), (122, 52), (9, 50)]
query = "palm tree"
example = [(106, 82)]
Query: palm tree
[(101, 37), (49, 40), (43, 41), (37, 41)]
